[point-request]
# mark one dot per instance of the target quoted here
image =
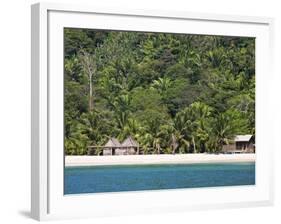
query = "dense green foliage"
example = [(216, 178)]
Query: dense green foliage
[(173, 93)]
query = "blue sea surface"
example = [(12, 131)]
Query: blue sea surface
[(118, 178)]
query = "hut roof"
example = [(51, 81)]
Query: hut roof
[(112, 142), (130, 142), (242, 138)]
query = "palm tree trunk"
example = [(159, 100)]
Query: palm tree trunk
[(174, 143), (90, 91), (194, 146), (174, 150), (158, 148)]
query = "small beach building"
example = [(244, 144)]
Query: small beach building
[(241, 144), (111, 147), (130, 146)]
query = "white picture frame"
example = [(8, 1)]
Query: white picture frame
[(47, 198)]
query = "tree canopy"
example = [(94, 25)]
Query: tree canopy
[(173, 93)]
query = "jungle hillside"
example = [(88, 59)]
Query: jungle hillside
[(173, 93)]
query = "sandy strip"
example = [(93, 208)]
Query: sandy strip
[(157, 159)]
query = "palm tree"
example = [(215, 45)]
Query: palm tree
[(217, 57), (222, 130), (178, 141), (162, 84), (145, 142), (190, 128), (157, 144), (121, 107), (200, 114), (133, 128), (182, 126)]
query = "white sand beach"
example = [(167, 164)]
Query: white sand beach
[(157, 159)]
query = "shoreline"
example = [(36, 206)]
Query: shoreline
[(73, 161)]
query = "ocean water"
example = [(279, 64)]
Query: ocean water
[(118, 178)]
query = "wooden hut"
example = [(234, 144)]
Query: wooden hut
[(246, 143), (111, 147), (241, 144), (130, 146)]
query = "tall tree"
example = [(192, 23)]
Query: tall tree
[(89, 66)]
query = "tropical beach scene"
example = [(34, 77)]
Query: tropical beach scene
[(155, 111)]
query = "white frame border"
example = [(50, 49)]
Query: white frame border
[(40, 105)]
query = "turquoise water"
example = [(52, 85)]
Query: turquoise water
[(154, 177)]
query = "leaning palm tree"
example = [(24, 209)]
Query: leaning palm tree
[(157, 144), (174, 143), (178, 141)]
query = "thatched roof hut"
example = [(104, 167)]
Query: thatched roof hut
[(130, 146), (111, 146), (112, 142), (130, 143)]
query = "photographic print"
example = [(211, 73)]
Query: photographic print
[(154, 111)]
